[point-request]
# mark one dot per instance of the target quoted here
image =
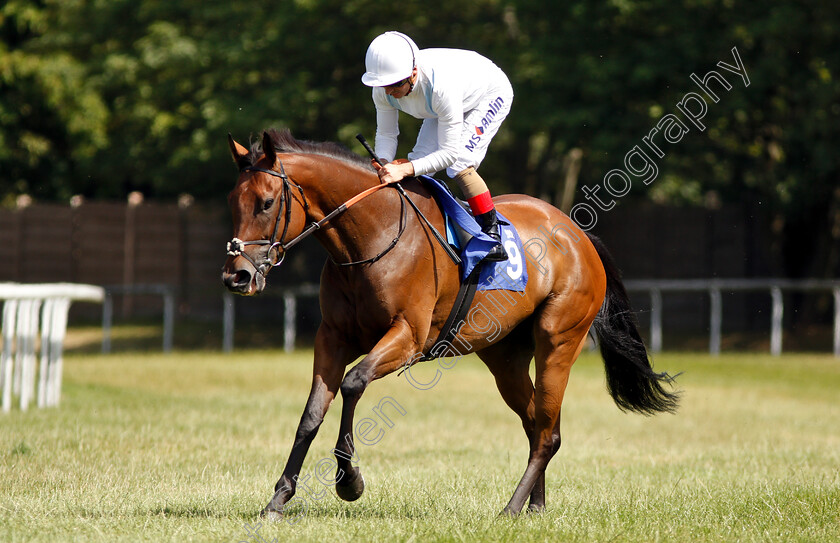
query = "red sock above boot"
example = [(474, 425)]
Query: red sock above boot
[(481, 204)]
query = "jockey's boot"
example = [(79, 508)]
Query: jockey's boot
[(481, 205), (490, 226)]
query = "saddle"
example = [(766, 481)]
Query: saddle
[(456, 234), (464, 233)]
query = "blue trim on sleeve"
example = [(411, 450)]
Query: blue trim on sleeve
[(393, 101), (429, 94)]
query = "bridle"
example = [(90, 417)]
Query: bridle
[(236, 246)]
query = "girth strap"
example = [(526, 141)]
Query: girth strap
[(462, 304)]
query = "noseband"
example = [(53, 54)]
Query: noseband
[(236, 247)]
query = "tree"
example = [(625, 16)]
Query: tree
[(105, 97)]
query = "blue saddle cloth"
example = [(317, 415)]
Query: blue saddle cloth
[(510, 274)]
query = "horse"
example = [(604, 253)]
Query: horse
[(387, 288)]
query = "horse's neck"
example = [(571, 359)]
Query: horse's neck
[(329, 183)]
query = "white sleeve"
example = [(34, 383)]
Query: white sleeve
[(387, 127), (449, 108)]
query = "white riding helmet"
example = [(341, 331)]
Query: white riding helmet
[(390, 58)]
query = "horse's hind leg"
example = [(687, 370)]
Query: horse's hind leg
[(509, 361), (556, 350)]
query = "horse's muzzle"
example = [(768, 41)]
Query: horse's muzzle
[(243, 281)]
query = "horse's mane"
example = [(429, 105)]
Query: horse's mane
[(284, 142)]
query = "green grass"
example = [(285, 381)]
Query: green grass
[(187, 447)]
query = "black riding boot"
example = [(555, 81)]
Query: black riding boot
[(490, 226)]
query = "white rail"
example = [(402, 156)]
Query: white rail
[(166, 292), (654, 287), (775, 287), (289, 295), (26, 308)]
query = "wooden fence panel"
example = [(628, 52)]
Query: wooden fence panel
[(46, 243), (109, 243), (100, 242), (206, 229), (157, 245), (11, 224)]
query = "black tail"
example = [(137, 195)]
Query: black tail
[(631, 381)]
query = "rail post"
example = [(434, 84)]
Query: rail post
[(289, 321), (228, 321), (655, 320), (716, 318), (776, 321), (836, 292)]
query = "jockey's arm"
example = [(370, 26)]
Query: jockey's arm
[(387, 129), (450, 123)]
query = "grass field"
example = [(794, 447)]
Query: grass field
[(187, 447)]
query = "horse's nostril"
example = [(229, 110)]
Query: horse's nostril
[(237, 280), (241, 277)]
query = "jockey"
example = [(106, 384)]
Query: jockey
[(462, 98)]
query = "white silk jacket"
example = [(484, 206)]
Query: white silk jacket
[(451, 83)]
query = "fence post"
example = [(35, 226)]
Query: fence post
[(128, 255), (837, 322), (228, 316), (656, 320), (47, 316), (168, 319), (56, 361), (289, 321), (10, 308), (27, 332), (107, 321), (776, 321), (715, 322)]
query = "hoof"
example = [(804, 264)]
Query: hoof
[(536, 509), (351, 491), (508, 513), (271, 515)]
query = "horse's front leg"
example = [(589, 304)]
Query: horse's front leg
[(332, 356), (390, 353)]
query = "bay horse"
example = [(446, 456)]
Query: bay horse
[(387, 289)]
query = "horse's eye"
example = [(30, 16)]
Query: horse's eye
[(268, 203)]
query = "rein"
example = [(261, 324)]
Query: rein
[(236, 246)]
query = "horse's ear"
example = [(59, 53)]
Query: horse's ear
[(268, 149), (239, 153)]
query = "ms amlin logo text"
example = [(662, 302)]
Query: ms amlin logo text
[(495, 107), (671, 128)]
